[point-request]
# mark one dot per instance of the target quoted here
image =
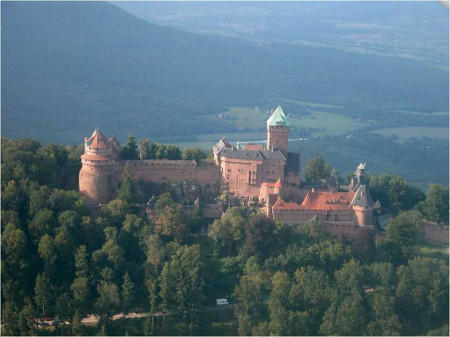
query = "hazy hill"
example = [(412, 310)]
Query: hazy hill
[(409, 29), (68, 67)]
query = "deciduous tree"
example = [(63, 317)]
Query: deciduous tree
[(405, 231), (195, 153), (42, 292), (317, 169)]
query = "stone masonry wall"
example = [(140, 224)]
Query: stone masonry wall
[(98, 183), (244, 177), (436, 233), (277, 136), (165, 170), (241, 176), (303, 215), (364, 215)]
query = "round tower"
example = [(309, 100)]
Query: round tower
[(364, 215), (362, 205), (278, 127), (98, 180)]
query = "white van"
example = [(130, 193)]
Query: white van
[(222, 301)]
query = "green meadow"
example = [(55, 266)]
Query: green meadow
[(327, 123), (415, 132)]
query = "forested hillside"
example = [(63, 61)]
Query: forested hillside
[(91, 64), (60, 261)]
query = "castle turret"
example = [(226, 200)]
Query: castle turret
[(359, 178), (362, 205), (278, 131), (98, 179)]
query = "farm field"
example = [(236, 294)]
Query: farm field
[(314, 105), (415, 132), (326, 123), (435, 113)]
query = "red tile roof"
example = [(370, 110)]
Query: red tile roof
[(253, 147), (319, 201), (97, 140)]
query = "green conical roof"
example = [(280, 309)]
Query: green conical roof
[(278, 118)]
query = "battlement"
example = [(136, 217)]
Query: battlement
[(148, 164)]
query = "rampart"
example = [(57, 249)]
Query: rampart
[(164, 170), (304, 215), (436, 233)]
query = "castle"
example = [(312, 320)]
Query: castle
[(271, 175)]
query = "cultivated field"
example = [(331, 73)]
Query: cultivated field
[(326, 123), (415, 132)]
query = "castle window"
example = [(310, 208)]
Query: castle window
[(228, 176)]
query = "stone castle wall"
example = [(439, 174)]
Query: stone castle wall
[(436, 233), (99, 179), (98, 183), (304, 215), (347, 229), (164, 170), (277, 136), (244, 177), (364, 215), (241, 176)]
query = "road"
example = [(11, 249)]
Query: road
[(93, 319)]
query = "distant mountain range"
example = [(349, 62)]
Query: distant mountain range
[(68, 67), (409, 29)]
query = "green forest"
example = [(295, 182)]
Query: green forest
[(162, 276)]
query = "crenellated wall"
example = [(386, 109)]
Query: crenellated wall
[(165, 170), (99, 178)]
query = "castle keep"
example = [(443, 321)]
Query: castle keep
[(271, 175)]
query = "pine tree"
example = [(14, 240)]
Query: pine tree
[(9, 320), (127, 191), (81, 262), (76, 324), (127, 292), (129, 150)]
